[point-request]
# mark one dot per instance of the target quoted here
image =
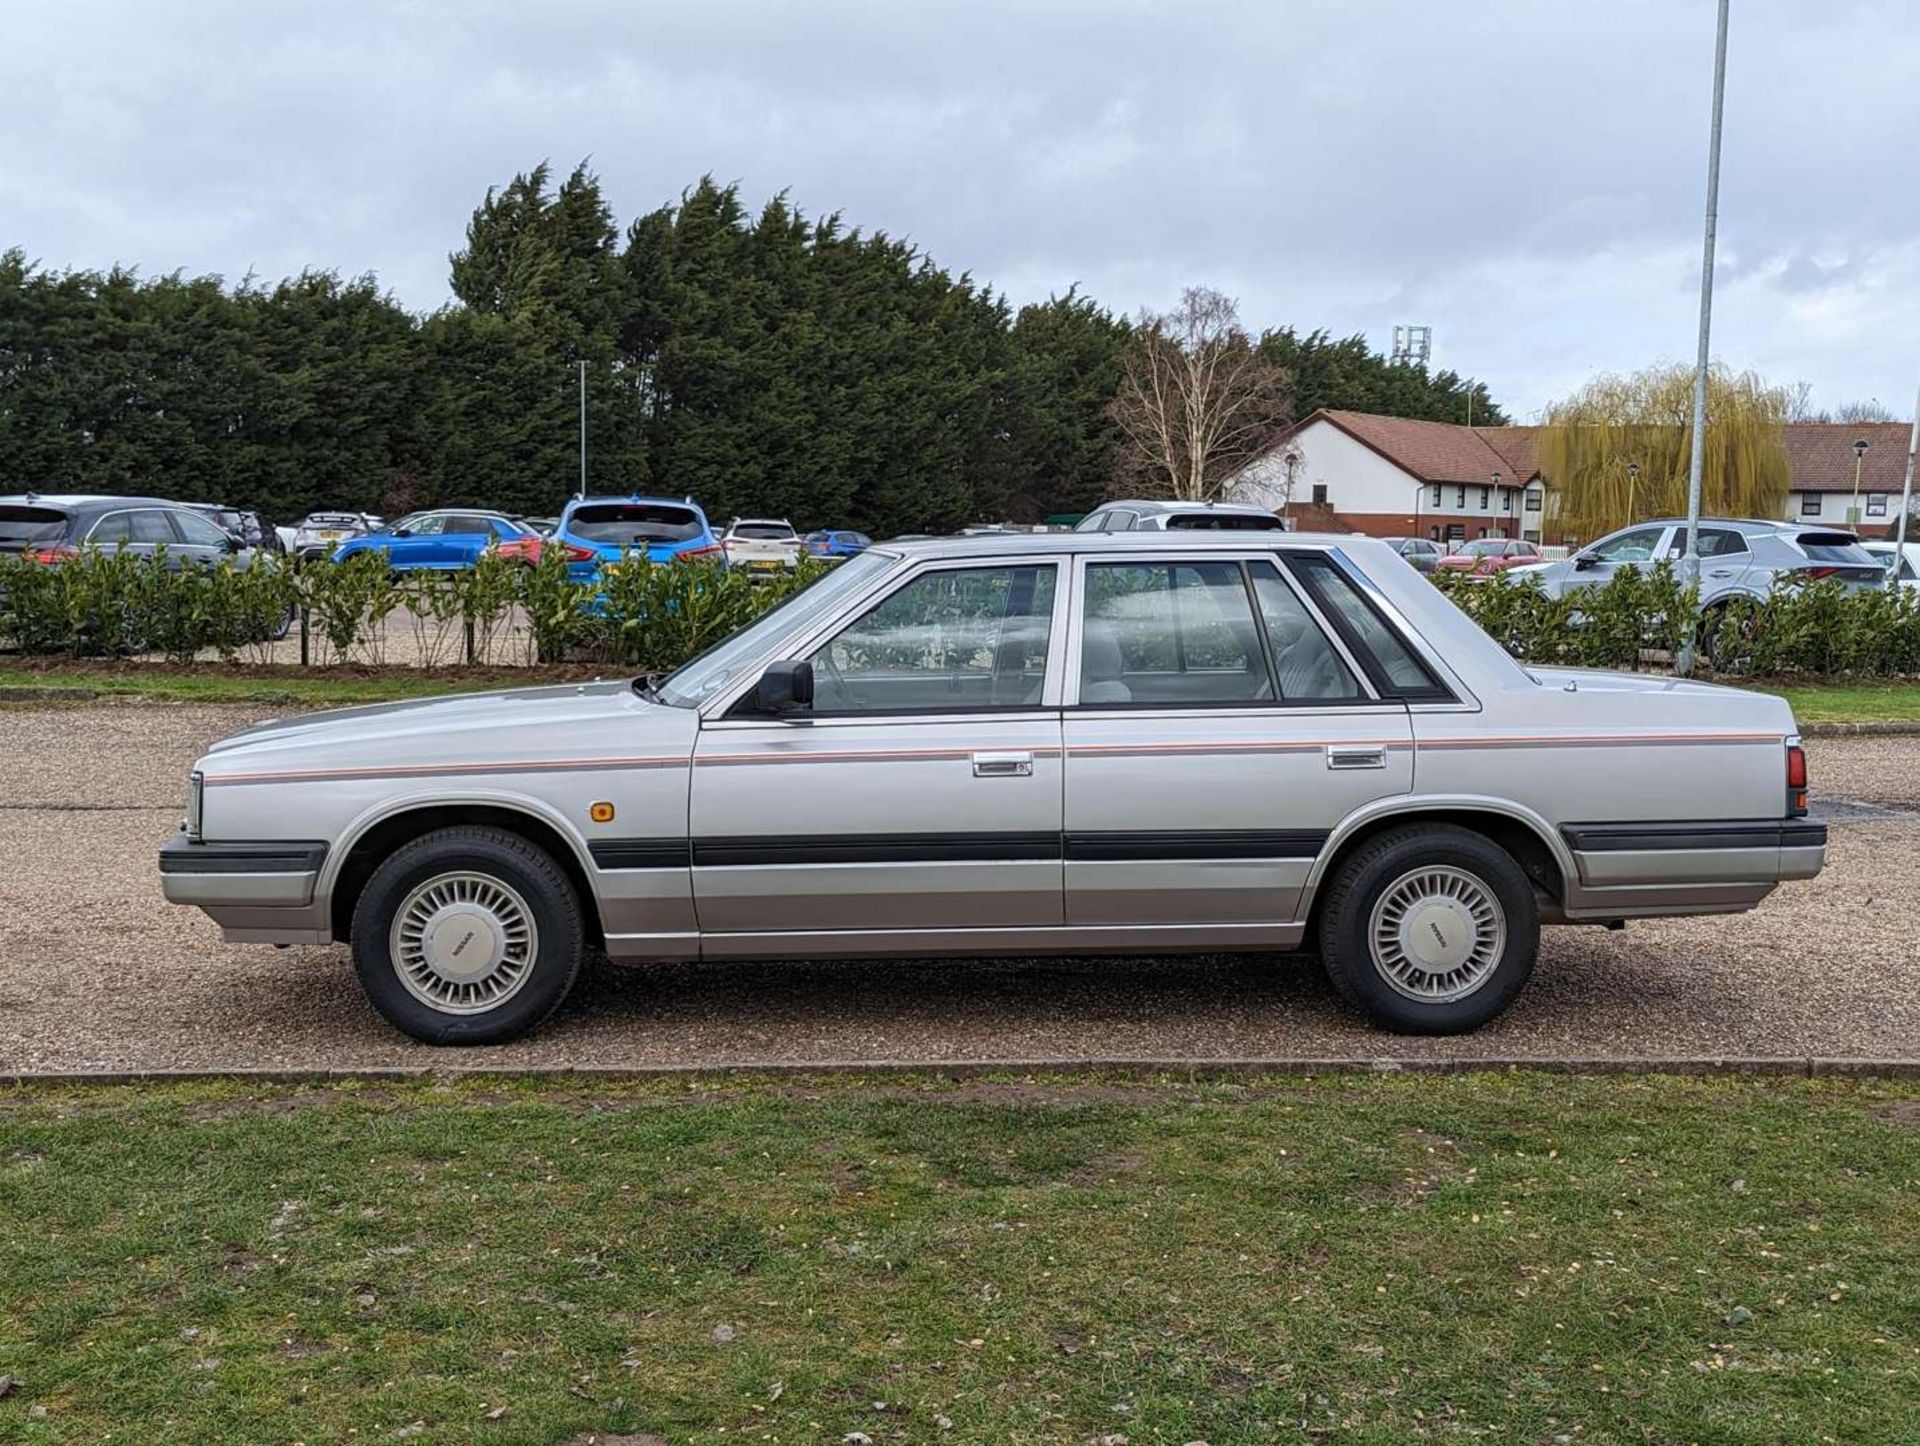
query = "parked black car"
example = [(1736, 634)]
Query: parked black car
[(51, 530)]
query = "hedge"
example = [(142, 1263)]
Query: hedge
[(656, 616), (639, 614), (1639, 619)]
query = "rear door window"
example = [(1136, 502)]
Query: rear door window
[(1170, 635), (634, 524), (468, 526), (1306, 665), (151, 525)]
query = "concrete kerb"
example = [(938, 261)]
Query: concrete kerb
[(1782, 1067)]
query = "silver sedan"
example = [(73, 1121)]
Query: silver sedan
[(1070, 743)]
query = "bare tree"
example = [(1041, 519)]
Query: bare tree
[(1800, 408), (1197, 401)]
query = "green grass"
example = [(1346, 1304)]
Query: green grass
[(318, 687), (1853, 702), (1380, 1259)]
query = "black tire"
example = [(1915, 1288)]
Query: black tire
[(285, 625), (497, 855), (1370, 872)]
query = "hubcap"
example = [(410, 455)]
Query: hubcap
[(1437, 934), (463, 943)]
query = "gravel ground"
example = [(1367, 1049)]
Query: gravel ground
[(97, 972)]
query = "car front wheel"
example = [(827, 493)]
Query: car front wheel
[(1431, 929), (467, 936)]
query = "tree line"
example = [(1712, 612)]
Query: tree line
[(762, 362)]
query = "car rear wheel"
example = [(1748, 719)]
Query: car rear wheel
[(1431, 929), (467, 936)]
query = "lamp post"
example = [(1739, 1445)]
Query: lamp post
[(1859, 455), (1690, 559), (1633, 483), (583, 429), (1496, 490)]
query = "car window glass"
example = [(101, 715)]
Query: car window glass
[(1635, 546), (468, 526), (1170, 634), (431, 525), (150, 526), (194, 530), (1396, 668), (1118, 522), (112, 529), (1305, 663), (957, 639), (1714, 542), (1222, 522)]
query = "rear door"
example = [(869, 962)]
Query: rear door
[(463, 539), (921, 792), (1217, 728)]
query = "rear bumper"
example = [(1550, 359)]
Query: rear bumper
[(1687, 866), (259, 891)]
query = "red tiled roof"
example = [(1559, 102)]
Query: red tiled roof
[(1432, 451), (1820, 455)]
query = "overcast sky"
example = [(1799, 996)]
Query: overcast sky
[(1524, 176)]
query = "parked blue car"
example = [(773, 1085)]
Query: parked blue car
[(599, 530), (444, 540), (833, 544)]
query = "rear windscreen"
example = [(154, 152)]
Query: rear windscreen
[(1224, 522), (21, 526), (1835, 547), (628, 522), (763, 531)]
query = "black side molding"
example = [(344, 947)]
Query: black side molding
[(1759, 833), (876, 848), (184, 856), (1198, 844), (640, 853)]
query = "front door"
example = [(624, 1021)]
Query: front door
[(1217, 729), (922, 791), (1637, 548)]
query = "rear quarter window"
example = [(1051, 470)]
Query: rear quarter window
[(1390, 661)]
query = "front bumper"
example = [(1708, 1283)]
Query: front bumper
[(258, 891)]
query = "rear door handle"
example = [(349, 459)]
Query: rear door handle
[(1002, 765), (1340, 757)]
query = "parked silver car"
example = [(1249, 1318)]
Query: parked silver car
[(1421, 554), (1066, 743), (1737, 558), (1159, 515)]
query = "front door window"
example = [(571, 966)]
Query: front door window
[(951, 640)]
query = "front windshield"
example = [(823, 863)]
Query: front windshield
[(721, 664)]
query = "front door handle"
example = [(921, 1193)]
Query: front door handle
[(1341, 757), (1002, 765)]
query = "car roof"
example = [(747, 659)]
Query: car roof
[(645, 498), (1162, 504), (1147, 544), (76, 500)]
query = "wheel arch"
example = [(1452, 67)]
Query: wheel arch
[(371, 839), (1533, 842)]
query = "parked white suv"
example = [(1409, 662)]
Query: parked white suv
[(761, 544)]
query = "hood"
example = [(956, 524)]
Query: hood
[(519, 722)]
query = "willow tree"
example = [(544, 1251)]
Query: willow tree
[(1617, 451)]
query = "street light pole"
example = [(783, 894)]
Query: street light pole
[(1906, 497), (1859, 456), (1633, 484), (583, 429), (1690, 560)]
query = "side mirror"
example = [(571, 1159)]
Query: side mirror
[(403, 532), (785, 687), (1584, 560)]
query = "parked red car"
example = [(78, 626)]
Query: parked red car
[(1489, 555)]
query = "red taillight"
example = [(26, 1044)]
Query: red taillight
[(580, 554), (701, 554), (1816, 573), (1796, 780), (58, 552)]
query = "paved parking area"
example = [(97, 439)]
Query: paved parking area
[(97, 972)]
